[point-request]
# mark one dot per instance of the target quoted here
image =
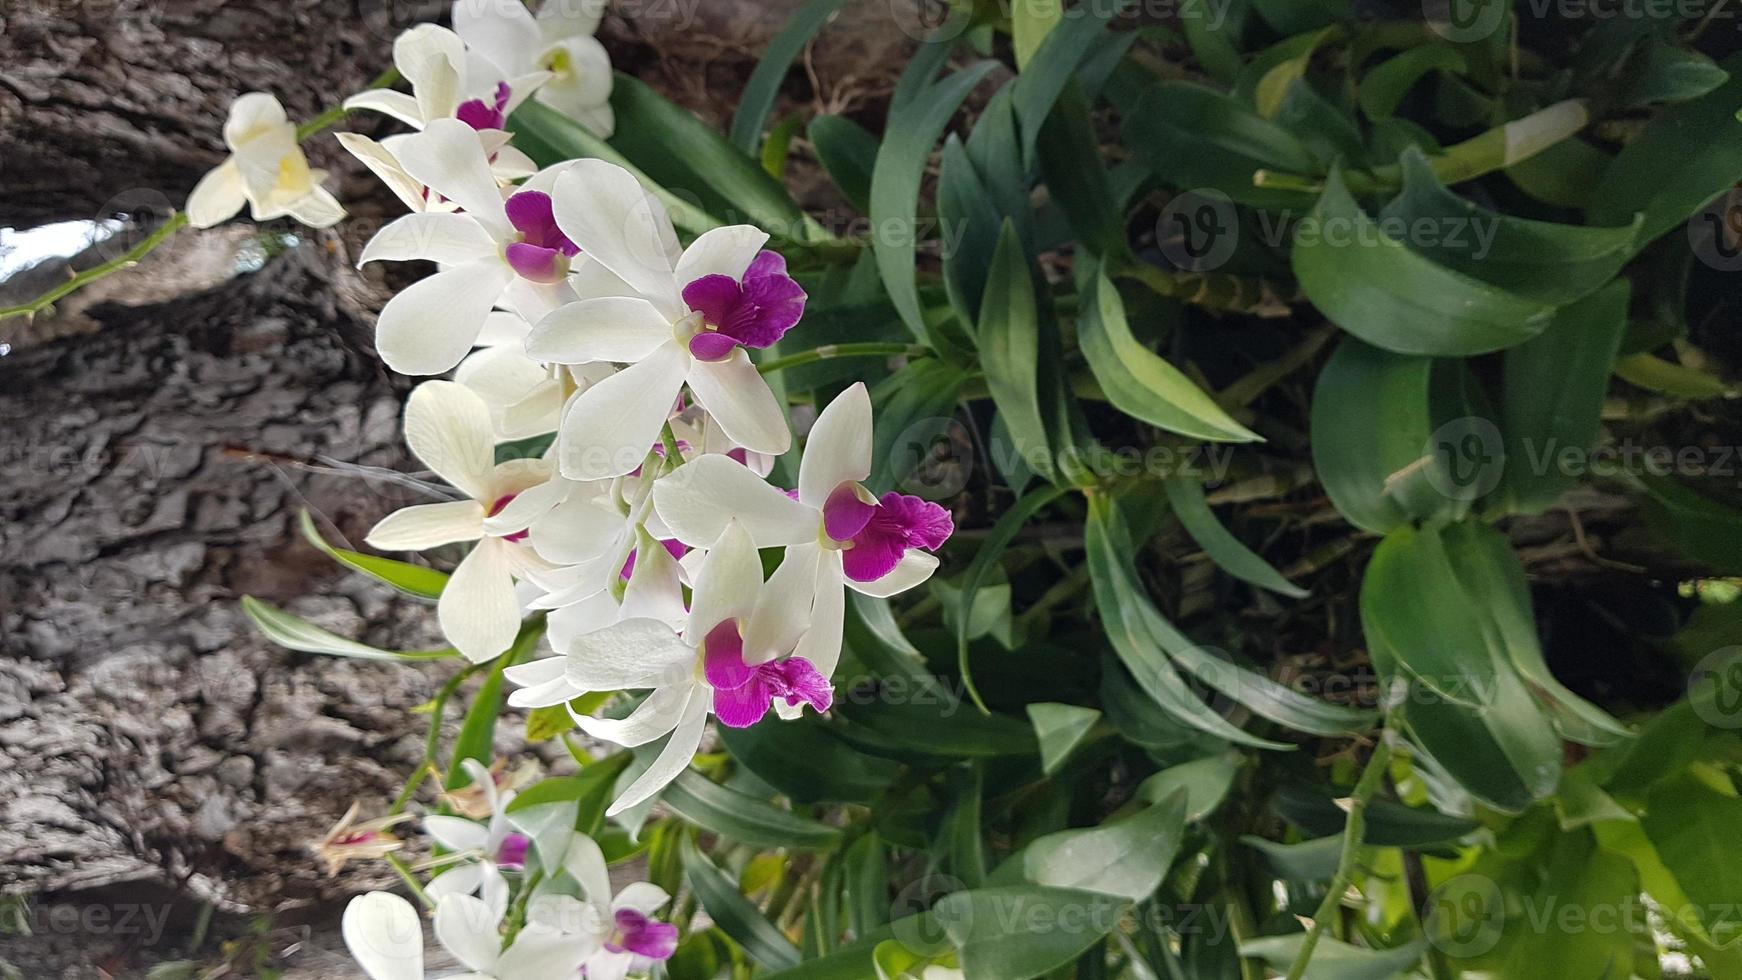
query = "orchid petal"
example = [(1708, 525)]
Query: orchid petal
[(735, 395), (630, 654), (398, 105), (430, 325), (217, 197), (783, 609), (654, 717), (914, 568), (821, 644), (641, 896), (448, 158), (610, 428), (431, 58), (385, 165), (602, 208), (674, 758), (447, 238), (428, 525), (468, 930), (448, 428), (609, 328), (699, 498), (503, 33), (727, 586), (726, 251), (456, 833), (385, 936), (478, 611), (838, 449)]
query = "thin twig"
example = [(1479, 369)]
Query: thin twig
[(1353, 831)]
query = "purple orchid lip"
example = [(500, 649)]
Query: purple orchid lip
[(744, 693), (543, 251), (480, 115), (512, 853), (496, 508), (673, 547), (638, 934), (897, 523), (754, 311)]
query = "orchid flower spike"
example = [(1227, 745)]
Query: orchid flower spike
[(495, 253), (266, 171), (675, 317), (449, 429), (558, 44), (836, 533), (385, 936)]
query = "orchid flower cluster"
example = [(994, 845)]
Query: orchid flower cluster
[(565, 307), (565, 919)]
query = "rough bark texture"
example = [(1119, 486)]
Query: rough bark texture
[(149, 735)]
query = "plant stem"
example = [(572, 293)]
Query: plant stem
[(831, 351), (75, 283), (410, 881), (1353, 831), (176, 223), (432, 741)]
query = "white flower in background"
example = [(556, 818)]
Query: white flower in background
[(266, 171), (484, 849), (506, 37), (433, 59), (496, 252), (837, 534), (450, 430), (677, 317), (628, 939), (691, 673), (385, 935)]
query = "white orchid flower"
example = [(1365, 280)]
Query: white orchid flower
[(560, 42), (483, 849), (385, 935), (675, 317), (449, 428), (496, 252), (266, 171), (526, 397), (836, 533), (692, 673), (628, 939), (433, 59)]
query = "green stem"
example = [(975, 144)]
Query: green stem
[(176, 223), (1353, 831), (410, 880), (432, 740), (831, 351)]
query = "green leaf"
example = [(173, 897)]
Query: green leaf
[(913, 408), (848, 152), (1121, 611), (1493, 577), (1554, 385), (1030, 21), (1334, 959), (1205, 783), (1023, 931), (1538, 260), (1390, 80), (1185, 495), (1307, 860), (1656, 374), (736, 916), (1192, 137), (807, 762), (1059, 728), (1055, 63), (1009, 342), (1139, 382), (1378, 289), (550, 137), (757, 100), (744, 818), (957, 847), (1318, 810), (294, 633), (1126, 858), (931, 724), (1371, 419), (1472, 716), (683, 154), (1077, 176), (1703, 529), (1680, 161), (965, 207), (477, 738), (913, 129), (413, 580)]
